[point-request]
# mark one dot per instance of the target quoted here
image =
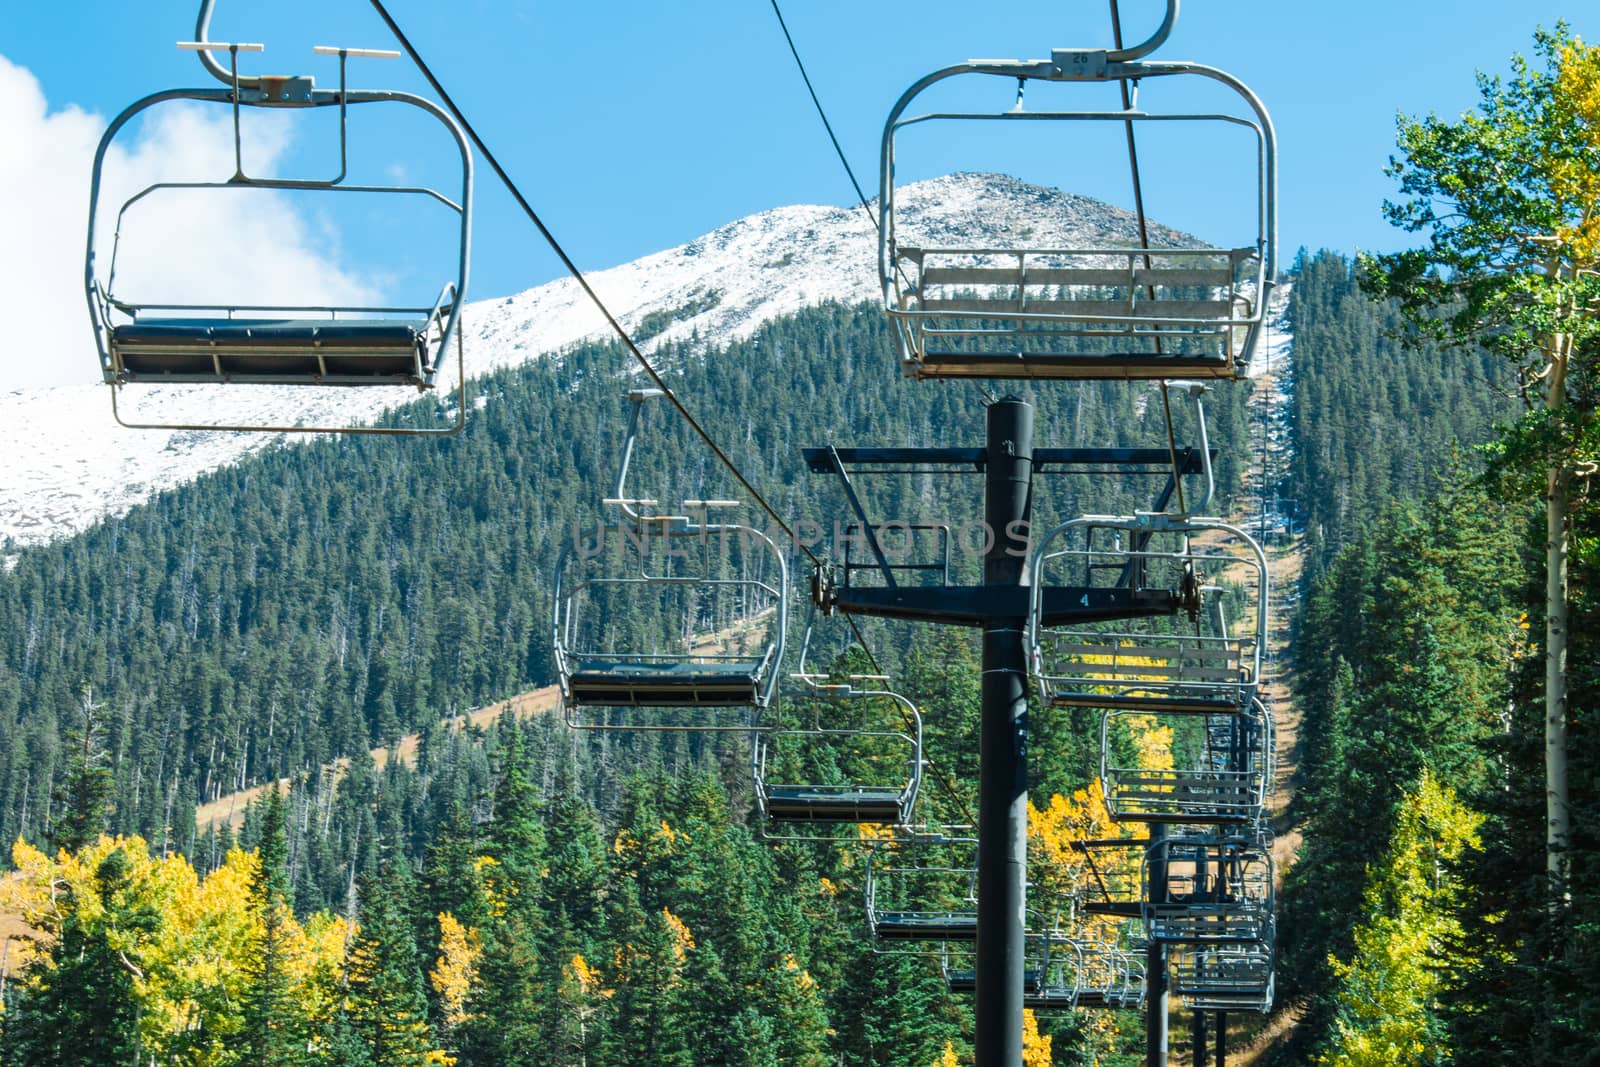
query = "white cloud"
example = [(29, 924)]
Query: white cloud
[(211, 246)]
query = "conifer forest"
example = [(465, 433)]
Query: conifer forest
[(287, 778)]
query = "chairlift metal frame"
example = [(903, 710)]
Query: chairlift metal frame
[(1225, 977), (887, 925), (850, 803), (1218, 891), (1227, 784), (997, 330), (597, 678), (1097, 666), (296, 345)]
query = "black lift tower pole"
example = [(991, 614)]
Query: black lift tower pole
[(1003, 742)]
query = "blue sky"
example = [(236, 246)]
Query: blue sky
[(635, 126)]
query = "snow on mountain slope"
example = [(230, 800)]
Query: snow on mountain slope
[(67, 463)]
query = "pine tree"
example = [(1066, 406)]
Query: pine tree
[(85, 793), (83, 1009), (385, 1006), (272, 1033)]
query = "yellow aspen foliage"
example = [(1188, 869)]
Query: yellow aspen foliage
[(1575, 179), (496, 890), (587, 977), (826, 887), (190, 966), (314, 961), (1035, 1049), (802, 977), (1386, 991), (456, 970), (948, 1059), (1056, 867), (1152, 741), (682, 940)]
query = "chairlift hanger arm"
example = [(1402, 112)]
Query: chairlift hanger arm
[(204, 46)]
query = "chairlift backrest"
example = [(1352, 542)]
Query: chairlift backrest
[(1201, 664), (871, 737)]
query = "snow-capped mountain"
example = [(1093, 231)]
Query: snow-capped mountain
[(67, 463)]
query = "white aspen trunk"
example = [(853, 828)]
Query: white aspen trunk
[(1558, 813)]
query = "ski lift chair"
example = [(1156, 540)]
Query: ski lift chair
[(725, 614), (711, 599), (1017, 310), (1224, 977), (1105, 977), (150, 342), (1150, 665), (961, 975), (876, 736), (894, 883), (1218, 891), (1223, 782)]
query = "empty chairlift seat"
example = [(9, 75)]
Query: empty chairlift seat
[(1027, 302), (1074, 313), (619, 679), (327, 351), (1198, 663), (227, 335), (1224, 978), (871, 741), (1102, 976), (918, 892), (1211, 771), (1217, 891), (669, 615)]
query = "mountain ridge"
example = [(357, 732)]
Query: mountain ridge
[(70, 465)]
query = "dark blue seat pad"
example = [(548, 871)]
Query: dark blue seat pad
[(309, 333)]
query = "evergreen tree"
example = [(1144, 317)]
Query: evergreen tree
[(83, 1010), (385, 1006), (1506, 196), (86, 791), (272, 1035)]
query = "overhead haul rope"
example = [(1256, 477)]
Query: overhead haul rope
[(583, 283), (1144, 242), (988, 398), (861, 197), (611, 320)]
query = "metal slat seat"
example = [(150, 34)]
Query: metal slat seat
[(629, 682), (1071, 306), (967, 982), (1073, 313), (870, 738), (819, 805), (959, 926), (1240, 922), (281, 333), (1239, 978), (273, 351), (1199, 797), (1142, 672)]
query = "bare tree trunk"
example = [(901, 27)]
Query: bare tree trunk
[(1558, 815), (1558, 489)]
